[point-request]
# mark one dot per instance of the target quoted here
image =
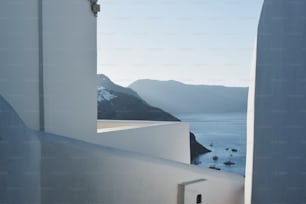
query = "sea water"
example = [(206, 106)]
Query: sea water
[(224, 134)]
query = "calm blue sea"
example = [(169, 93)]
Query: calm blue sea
[(220, 133)]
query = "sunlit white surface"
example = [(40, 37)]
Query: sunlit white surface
[(168, 140)]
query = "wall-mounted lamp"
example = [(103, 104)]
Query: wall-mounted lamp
[(95, 7)]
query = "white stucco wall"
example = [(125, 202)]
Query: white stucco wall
[(73, 171), (78, 172), (19, 159), (189, 191), (279, 121), (69, 63), (169, 140), (37, 167), (19, 58), (70, 67)]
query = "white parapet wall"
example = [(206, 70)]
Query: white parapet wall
[(169, 140), (78, 172), (36, 167)]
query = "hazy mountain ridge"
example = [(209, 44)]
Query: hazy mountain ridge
[(176, 97), (118, 103), (125, 104)]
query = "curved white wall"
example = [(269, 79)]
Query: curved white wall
[(20, 158), (36, 167), (279, 162), (78, 172)]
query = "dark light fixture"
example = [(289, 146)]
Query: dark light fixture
[(95, 7)]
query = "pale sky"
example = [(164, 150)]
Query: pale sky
[(192, 41)]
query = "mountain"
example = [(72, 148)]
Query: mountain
[(118, 103), (177, 97), (106, 83), (122, 106)]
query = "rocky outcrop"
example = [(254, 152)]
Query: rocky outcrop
[(196, 148)]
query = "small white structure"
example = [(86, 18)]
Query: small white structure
[(276, 160), (52, 150)]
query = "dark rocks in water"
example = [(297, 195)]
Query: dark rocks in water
[(196, 161), (229, 163), (215, 158), (215, 168), (233, 149), (196, 148)]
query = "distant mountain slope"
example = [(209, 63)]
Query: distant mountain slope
[(122, 106), (106, 83), (119, 103), (177, 97)]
